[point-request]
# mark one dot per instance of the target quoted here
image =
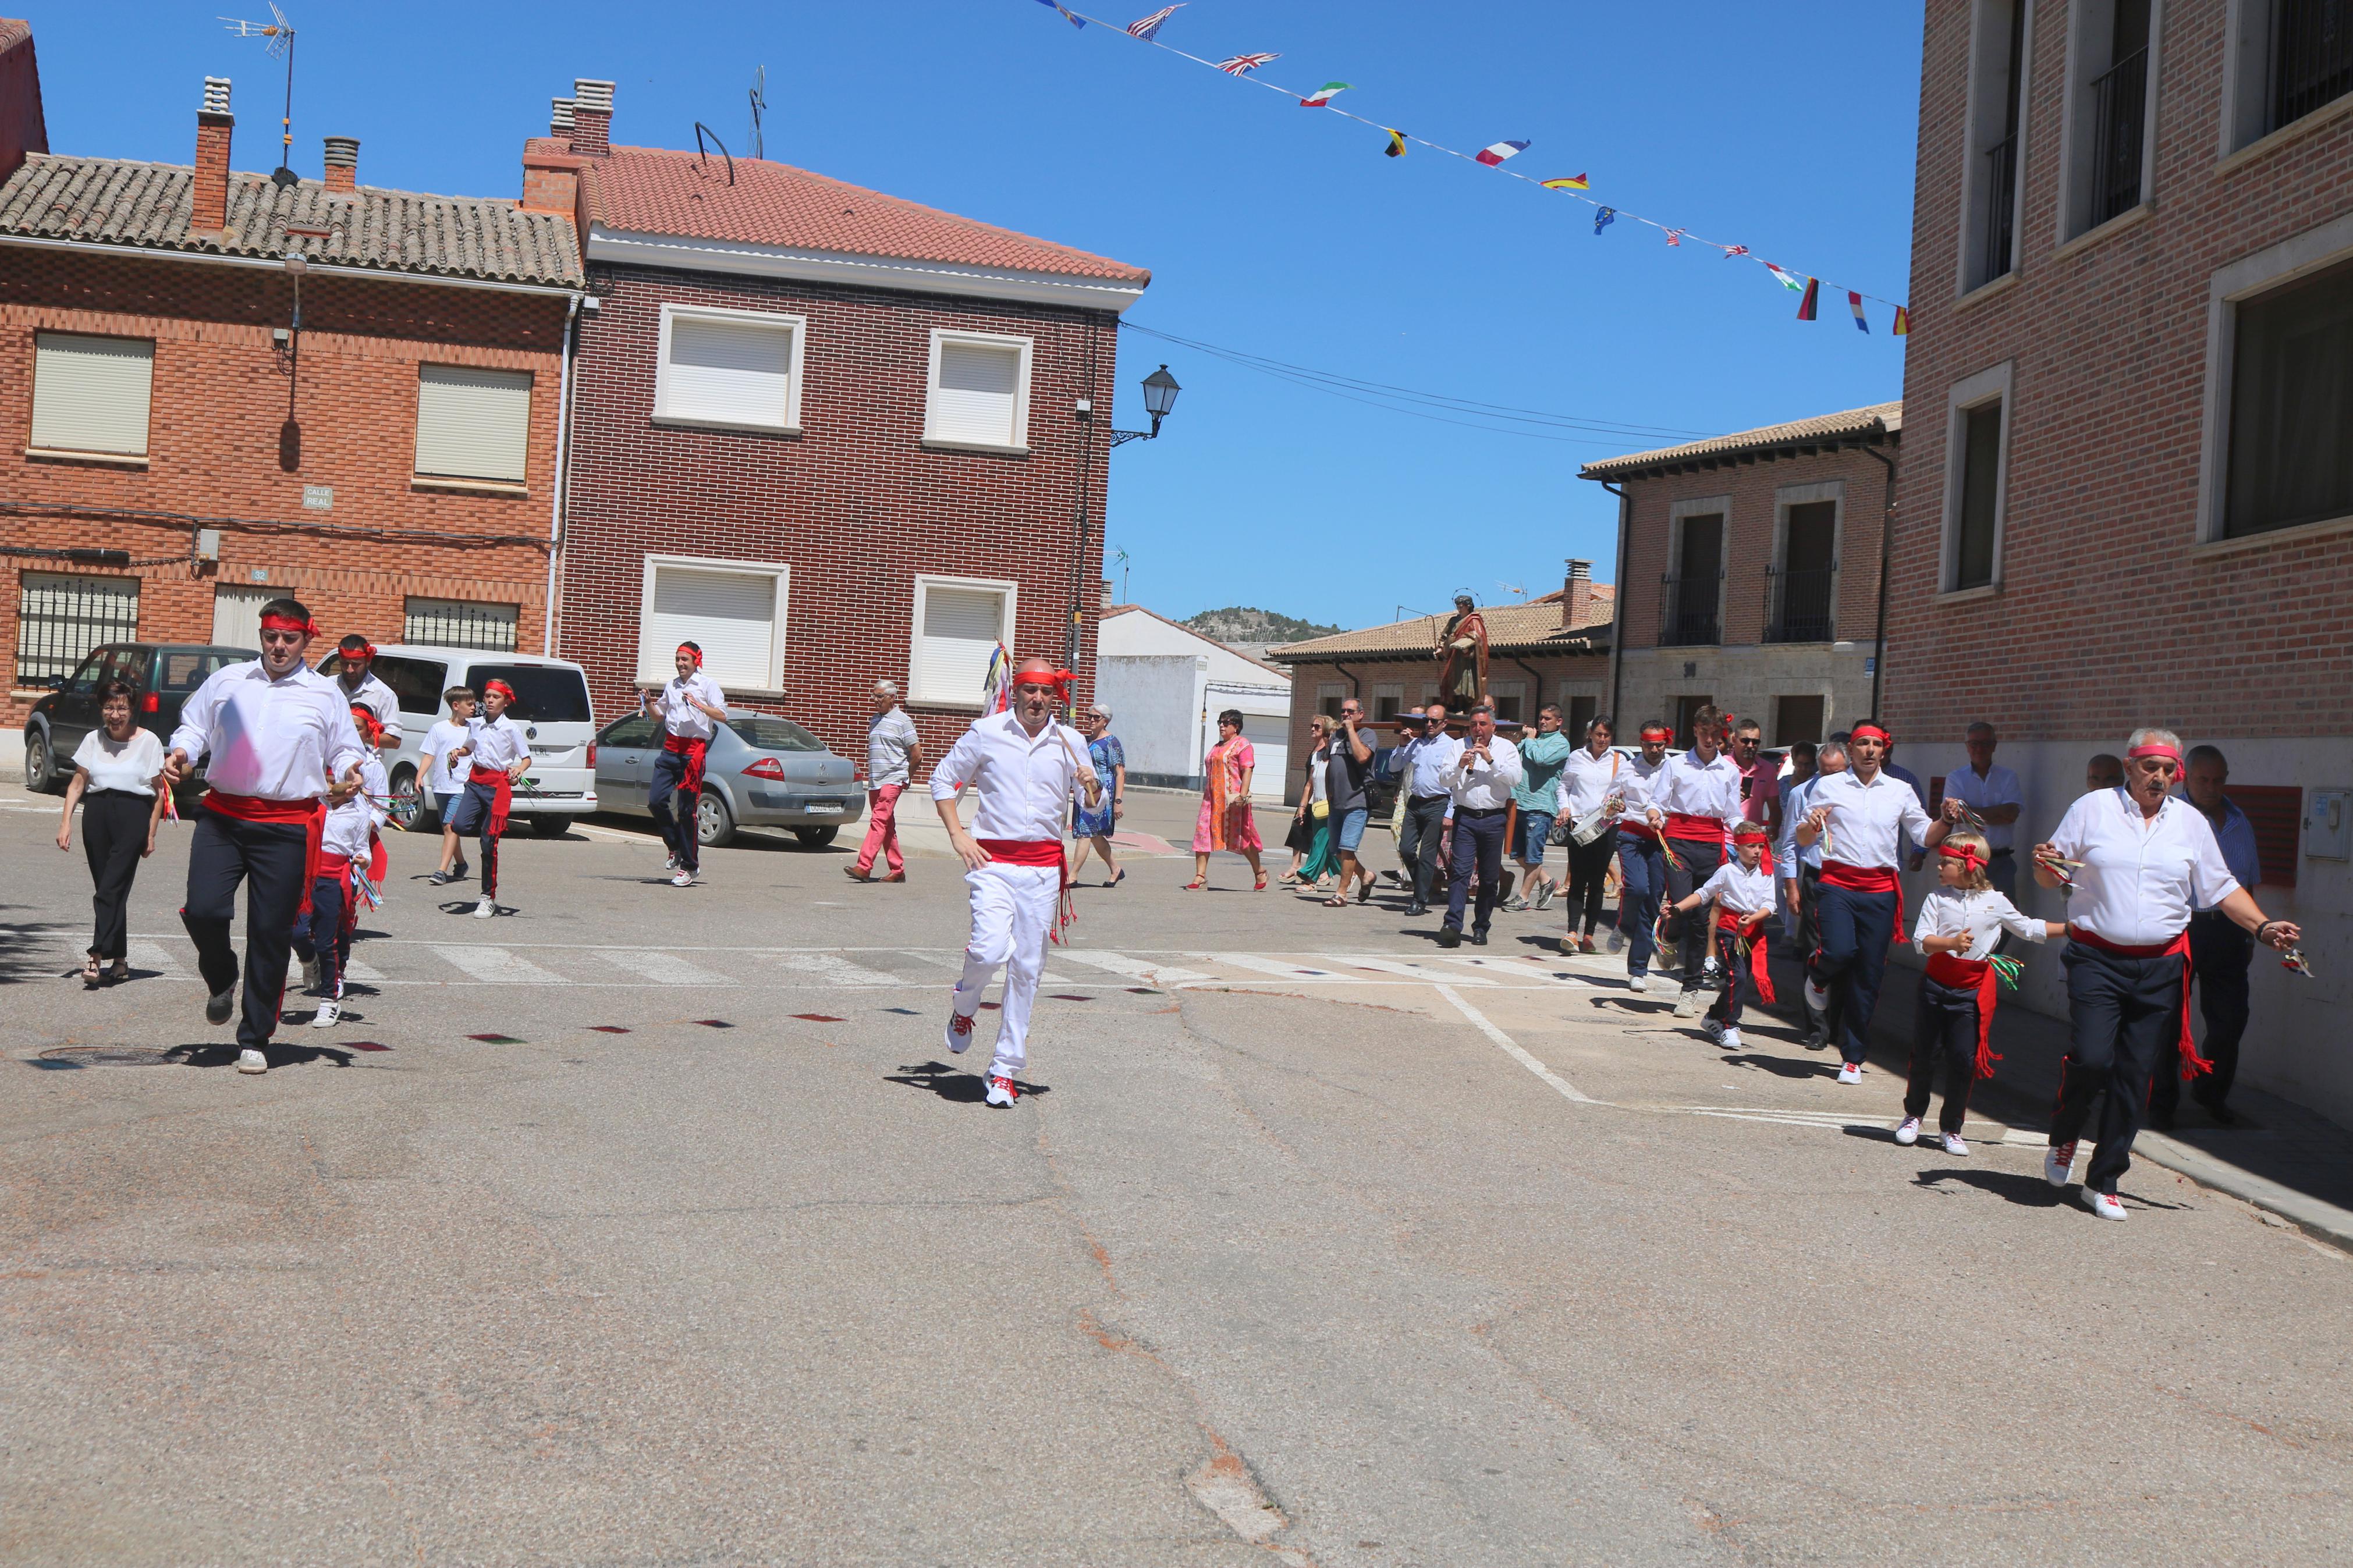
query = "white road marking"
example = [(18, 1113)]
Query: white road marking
[(826, 969), (662, 968), (1412, 970), (497, 966), (1511, 1048), (1281, 968), (366, 973), (152, 955), (1142, 970), (1519, 969)]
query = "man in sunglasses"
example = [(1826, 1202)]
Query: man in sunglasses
[(1025, 767)]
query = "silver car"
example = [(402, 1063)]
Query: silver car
[(761, 772)]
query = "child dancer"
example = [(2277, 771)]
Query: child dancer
[(497, 755), (1741, 889), (348, 846), (1959, 922), (445, 779)]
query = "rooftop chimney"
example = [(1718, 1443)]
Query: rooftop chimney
[(592, 118), (343, 158), (1576, 595), (551, 181), (559, 117), (213, 122), (1107, 599)]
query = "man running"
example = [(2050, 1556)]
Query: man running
[(277, 731), (1025, 766)]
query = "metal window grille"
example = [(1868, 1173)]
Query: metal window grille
[(2312, 56), (1687, 610), (460, 623), (1798, 605), (2119, 105), (60, 619), (2001, 199)]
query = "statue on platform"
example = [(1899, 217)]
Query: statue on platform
[(1462, 655)]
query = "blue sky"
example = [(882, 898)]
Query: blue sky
[(1269, 229)]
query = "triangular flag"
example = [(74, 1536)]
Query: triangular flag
[(1854, 303), (1148, 27), (1675, 237), (1573, 182), (1395, 149), (1785, 279), (1604, 218), (1324, 95), (1064, 11), (1806, 305), (1902, 322), (1493, 154), (1242, 65)]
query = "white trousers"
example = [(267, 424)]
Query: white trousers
[(1012, 910)]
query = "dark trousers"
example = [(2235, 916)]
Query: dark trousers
[(472, 815), (2122, 1012), (323, 935), (269, 857), (1589, 869), (1852, 930), (1732, 953), (113, 836), (1425, 824), (1642, 880), (2219, 952), (676, 809), (1478, 839), (1690, 932), (1944, 1030)]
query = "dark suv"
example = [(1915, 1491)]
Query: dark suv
[(165, 673)]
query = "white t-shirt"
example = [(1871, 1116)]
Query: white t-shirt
[(1737, 889), (1982, 915), (498, 744), (682, 718), (890, 738), (439, 741), (129, 765)]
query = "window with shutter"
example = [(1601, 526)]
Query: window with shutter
[(734, 609), (472, 423), (92, 395), (236, 615), (958, 624), (979, 392), (738, 369)]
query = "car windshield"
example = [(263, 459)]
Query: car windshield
[(544, 694), (762, 733), (186, 671)]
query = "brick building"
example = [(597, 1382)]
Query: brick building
[(830, 435), (2128, 495), (1766, 549), (180, 452), (1553, 648)]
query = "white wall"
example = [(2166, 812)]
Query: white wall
[(1155, 708), (1166, 684)]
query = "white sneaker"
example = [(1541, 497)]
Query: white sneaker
[(310, 975), (1956, 1145), (2105, 1204), (1687, 1003), (1909, 1134), (959, 1036), (1817, 999), (1713, 1030), (1001, 1091), (485, 909), (330, 1012), (1850, 1072), (251, 1060), (1708, 971), (1730, 1040), (685, 878), (1617, 940), (670, 862), (2058, 1162), (1637, 983)]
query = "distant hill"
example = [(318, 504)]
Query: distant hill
[(1239, 627)]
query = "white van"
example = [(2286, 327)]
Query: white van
[(551, 704)]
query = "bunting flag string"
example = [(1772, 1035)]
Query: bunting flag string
[(1146, 30)]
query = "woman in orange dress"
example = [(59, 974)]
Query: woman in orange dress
[(1226, 822)]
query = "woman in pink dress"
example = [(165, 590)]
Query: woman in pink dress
[(1226, 822)]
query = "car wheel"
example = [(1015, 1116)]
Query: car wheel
[(406, 807), (551, 827), (816, 837), (714, 825), (37, 777)]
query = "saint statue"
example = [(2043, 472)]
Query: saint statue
[(1462, 655)]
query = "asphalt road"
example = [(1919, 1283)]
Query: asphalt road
[(643, 1226)]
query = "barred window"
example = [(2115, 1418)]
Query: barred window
[(60, 618), (460, 623)]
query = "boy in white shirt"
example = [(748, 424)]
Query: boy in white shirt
[(348, 848), (444, 779), (498, 755), (1741, 892)]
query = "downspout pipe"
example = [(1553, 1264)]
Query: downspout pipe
[(1617, 606), (1886, 542), (562, 474)]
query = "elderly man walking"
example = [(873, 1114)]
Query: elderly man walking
[(1485, 769), (1995, 797), (893, 752)]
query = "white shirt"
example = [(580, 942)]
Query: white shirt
[(274, 739), (890, 739), (1025, 783), (1486, 783), (498, 744), (446, 777), (375, 697), (1982, 915), (1319, 775), (1998, 788), (1738, 888), (682, 718), (2140, 878), (129, 766), (1427, 765), (1788, 855), (1637, 781), (1867, 820), (352, 823), (1586, 781), (1695, 788)]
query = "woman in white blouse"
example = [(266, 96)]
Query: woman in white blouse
[(116, 784)]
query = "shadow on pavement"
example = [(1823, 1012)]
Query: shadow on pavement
[(1783, 1066), (279, 1054), (953, 1083), (22, 957)]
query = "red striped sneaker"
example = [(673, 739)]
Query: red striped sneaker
[(1001, 1091), (959, 1032), (2058, 1163)]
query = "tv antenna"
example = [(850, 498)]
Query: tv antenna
[(281, 33), (1121, 556), (1511, 588), (759, 106)]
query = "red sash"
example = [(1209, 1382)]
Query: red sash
[(310, 813), (1638, 827), (1760, 969), (1040, 852), (1695, 829), (1868, 880), (1976, 974), (2192, 1064), (694, 750)]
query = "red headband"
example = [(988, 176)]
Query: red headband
[(366, 650), (2154, 750), (368, 722), (501, 686), (1753, 833), (289, 624), (1660, 731), (1037, 670), (1861, 731), (691, 652), (1965, 853)]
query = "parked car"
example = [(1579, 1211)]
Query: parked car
[(165, 673), (551, 704), (761, 772)]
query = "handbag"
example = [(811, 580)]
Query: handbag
[(1320, 809)]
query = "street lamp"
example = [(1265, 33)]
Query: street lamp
[(1160, 391)]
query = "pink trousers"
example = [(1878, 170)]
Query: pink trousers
[(881, 829)]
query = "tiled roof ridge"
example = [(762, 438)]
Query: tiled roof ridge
[(1843, 422), (1416, 632)]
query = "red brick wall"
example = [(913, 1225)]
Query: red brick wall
[(854, 504), (213, 442), (22, 129), (2108, 614)]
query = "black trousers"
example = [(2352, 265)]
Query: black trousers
[(2220, 953), (1732, 954), (113, 836), (2123, 1011), (1425, 824), (471, 814), (1478, 842), (1944, 1031), (269, 857), (676, 809), (1691, 932), (1588, 870), (1854, 930), (323, 935)]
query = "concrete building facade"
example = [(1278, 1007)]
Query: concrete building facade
[(1165, 684)]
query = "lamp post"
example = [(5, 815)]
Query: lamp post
[(1160, 389)]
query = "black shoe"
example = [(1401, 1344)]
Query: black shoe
[(1448, 937), (1416, 908), (460, 871), (220, 1004), (1478, 939)]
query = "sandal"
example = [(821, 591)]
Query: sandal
[(1340, 902), (121, 970), (90, 975), (1196, 885), (1258, 886)]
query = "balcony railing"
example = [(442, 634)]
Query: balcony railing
[(2001, 196), (1687, 609), (1797, 605), (2312, 56), (2119, 105)]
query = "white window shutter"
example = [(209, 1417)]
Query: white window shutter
[(977, 396), (731, 614), (92, 395), (962, 627), (236, 615), (472, 423), (729, 372)]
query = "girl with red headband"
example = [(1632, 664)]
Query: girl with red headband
[(322, 937), (2142, 860), (691, 708), (1740, 894), (1641, 853), (499, 755), (1960, 920)]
